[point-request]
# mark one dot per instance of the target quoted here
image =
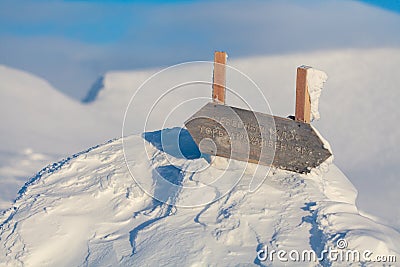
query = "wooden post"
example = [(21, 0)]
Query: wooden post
[(219, 78), (303, 102)]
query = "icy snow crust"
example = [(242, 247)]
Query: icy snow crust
[(315, 82), (87, 210)]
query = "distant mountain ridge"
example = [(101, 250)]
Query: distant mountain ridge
[(94, 90)]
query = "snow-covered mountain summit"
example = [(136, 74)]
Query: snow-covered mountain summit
[(41, 126), (88, 210), (364, 140)]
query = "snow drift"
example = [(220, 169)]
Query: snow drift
[(87, 210), (365, 141), (40, 125)]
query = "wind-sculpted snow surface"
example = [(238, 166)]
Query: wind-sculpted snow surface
[(39, 125), (88, 210)]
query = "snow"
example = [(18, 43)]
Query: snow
[(39, 125), (88, 210), (36, 117), (354, 132), (315, 82)]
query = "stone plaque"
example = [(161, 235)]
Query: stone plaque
[(256, 137)]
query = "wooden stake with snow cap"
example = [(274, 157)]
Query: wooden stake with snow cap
[(219, 77), (309, 84)]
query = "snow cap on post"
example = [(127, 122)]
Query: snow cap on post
[(219, 77), (309, 84)]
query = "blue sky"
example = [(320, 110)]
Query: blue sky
[(392, 5), (71, 43)]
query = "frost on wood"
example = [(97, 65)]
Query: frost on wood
[(315, 82)]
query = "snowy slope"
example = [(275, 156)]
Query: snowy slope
[(87, 210), (39, 117), (364, 139), (39, 125)]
